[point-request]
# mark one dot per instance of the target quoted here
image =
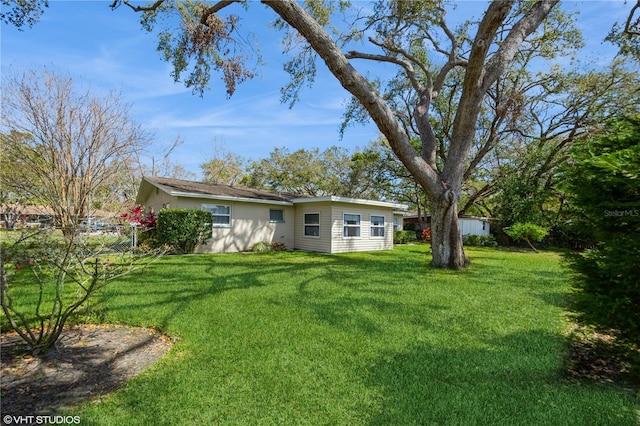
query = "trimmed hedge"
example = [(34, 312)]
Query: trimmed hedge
[(184, 229)]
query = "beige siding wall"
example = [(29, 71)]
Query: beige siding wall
[(365, 242), (249, 224), (157, 199), (323, 242), (400, 222)]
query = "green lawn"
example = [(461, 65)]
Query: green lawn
[(367, 338)]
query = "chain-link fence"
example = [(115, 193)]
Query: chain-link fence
[(115, 238)]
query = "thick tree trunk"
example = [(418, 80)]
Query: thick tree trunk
[(481, 71), (446, 241)]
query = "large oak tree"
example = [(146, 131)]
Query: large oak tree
[(399, 33), (411, 35)]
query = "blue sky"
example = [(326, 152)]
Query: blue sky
[(108, 50)]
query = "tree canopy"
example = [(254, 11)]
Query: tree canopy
[(447, 77)]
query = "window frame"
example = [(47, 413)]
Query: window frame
[(310, 225), (208, 207), (379, 228), (346, 226), (272, 220)]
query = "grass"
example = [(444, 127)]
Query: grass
[(363, 338)]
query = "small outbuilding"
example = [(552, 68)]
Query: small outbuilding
[(469, 225)]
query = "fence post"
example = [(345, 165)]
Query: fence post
[(134, 236)]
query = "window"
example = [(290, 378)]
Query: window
[(312, 224), (221, 215), (351, 225), (276, 215), (377, 226)]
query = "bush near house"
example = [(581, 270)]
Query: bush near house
[(404, 237), (146, 224), (184, 229)]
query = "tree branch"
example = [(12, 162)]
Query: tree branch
[(520, 31), (296, 16), (151, 8), (216, 8), (633, 28)]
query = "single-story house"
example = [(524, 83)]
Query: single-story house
[(245, 216), (469, 225)]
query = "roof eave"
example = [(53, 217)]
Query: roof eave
[(332, 198), (228, 198)]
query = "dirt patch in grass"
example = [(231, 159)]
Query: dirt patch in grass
[(87, 362), (598, 357)]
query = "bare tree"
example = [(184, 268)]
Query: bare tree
[(64, 275), (76, 142)]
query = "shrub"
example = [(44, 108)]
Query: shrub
[(404, 237), (408, 226), (603, 179), (184, 229), (262, 247), (570, 235), (470, 240), (527, 232), (479, 240), (147, 232), (278, 246)]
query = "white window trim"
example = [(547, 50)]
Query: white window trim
[(372, 226), (359, 225), (219, 225), (304, 225)]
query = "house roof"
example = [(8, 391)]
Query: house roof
[(184, 188)]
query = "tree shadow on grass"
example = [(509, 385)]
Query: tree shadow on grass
[(170, 289), (514, 380)]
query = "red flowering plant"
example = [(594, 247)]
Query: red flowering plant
[(145, 223), (137, 217), (426, 235)]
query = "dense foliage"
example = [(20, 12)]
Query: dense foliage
[(404, 237), (479, 240), (184, 229), (605, 182)]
